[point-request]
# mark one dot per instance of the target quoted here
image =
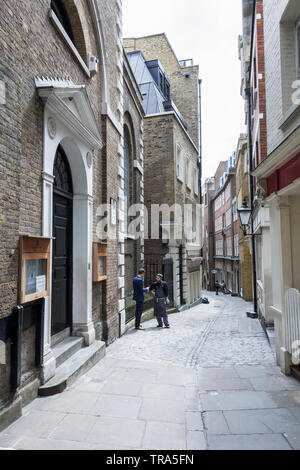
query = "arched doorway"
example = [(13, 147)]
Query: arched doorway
[(62, 276)]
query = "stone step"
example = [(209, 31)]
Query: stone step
[(74, 367), (64, 350)]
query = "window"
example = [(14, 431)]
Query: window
[(219, 224), (298, 49), (179, 163), (228, 192), (61, 13), (196, 182), (236, 246), (246, 162), (127, 159), (229, 246), (219, 247), (228, 218), (188, 173)]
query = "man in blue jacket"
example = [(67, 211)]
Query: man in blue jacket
[(139, 296)]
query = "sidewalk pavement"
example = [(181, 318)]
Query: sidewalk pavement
[(210, 382)]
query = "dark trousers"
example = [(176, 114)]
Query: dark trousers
[(139, 313), (160, 311)]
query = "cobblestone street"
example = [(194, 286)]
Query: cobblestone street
[(210, 382)]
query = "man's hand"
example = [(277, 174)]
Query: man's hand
[(168, 301)]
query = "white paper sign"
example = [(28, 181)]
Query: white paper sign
[(40, 284)]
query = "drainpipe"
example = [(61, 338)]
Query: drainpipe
[(200, 127), (248, 93)]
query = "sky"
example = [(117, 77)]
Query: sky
[(207, 31)]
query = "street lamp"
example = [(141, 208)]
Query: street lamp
[(245, 215)]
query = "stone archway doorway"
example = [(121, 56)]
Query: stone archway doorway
[(62, 255)]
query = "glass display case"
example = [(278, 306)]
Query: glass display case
[(99, 262)]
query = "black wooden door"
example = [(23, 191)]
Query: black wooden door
[(62, 264)]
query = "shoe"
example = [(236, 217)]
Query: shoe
[(159, 326), (168, 326), (140, 328)]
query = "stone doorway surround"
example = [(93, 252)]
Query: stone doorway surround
[(69, 121)]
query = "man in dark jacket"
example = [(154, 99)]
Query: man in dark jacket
[(160, 291), (139, 296)]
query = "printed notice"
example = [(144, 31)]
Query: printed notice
[(40, 284)]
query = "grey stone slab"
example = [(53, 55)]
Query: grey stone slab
[(74, 428), (128, 388), (248, 442), (138, 375), (247, 372), (163, 391), (226, 384), (287, 399), (49, 444), (170, 377), (273, 383), (216, 373), (89, 385), (191, 377), (236, 401), (241, 422), (117, 406), (117, 432), (7, 441), (70, 401), (35, 424), (154, 409), (261, 421), (193, 421), (164, 436), (191, 399), (215, 423), (295, 412), (196, 440), (294, 440)]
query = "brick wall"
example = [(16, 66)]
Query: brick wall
[(279, 21)]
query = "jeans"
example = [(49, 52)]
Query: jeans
[(160, 310)]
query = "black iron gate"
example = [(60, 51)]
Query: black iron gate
[(168, 277)]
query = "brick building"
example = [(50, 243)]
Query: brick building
[(71, 141), (252, 55), (226, 229), (208, 190), (171, 101), (243, 193), (277, 172)]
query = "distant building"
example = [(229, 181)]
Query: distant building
[(226, 229), (171, 101), (208, 190)]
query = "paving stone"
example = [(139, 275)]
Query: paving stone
[(248, 442), (162, 391), (274, 383), (140, 375), (34, 443), (261, 421), (215, 423), (8, 441), (164, 436), (117, 432), (154, 409), (117, 406), (194, 421), (128, 387), (74, 428), (90, 385), (191, 400), (70, 401), (285, 399), (248, 372), (196, 440), (226, 384), (294, 440), (236, 401), (35, 424)]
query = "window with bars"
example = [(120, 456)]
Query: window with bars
[(179, 163)]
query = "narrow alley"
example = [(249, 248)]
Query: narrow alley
[(210, 382)]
